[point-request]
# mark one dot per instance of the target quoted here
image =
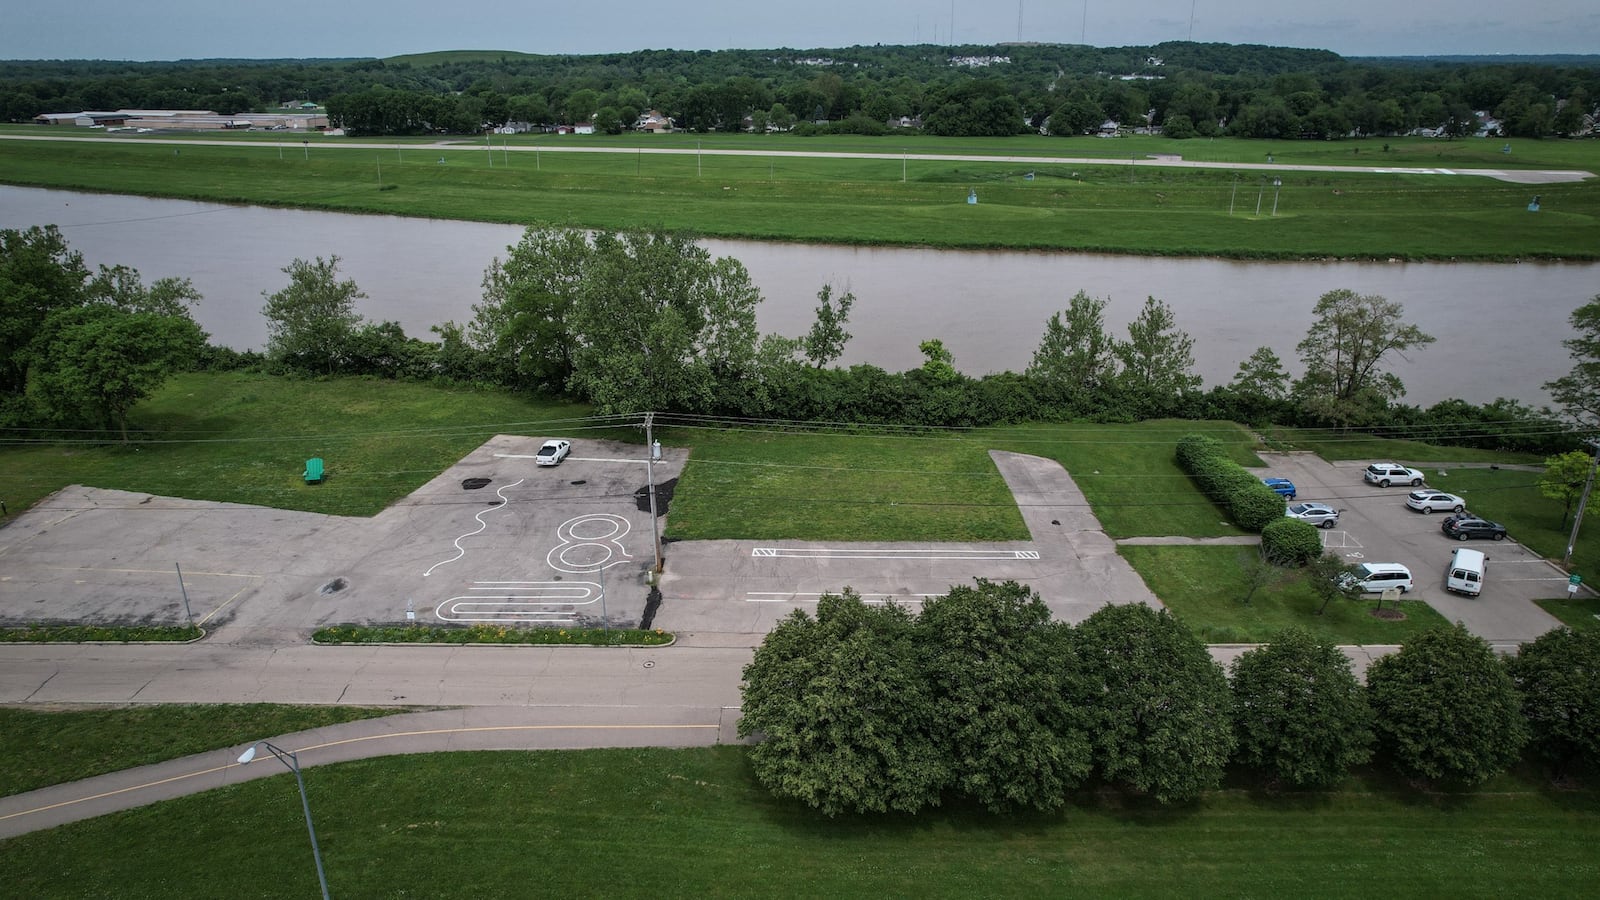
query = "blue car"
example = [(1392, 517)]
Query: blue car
[(1283, 486)]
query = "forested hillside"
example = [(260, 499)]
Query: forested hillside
[(1188, 89)]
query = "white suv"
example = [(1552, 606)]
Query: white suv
[(1375, 578), (1384, 474)]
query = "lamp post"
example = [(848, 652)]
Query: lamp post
[(1276, 184), (289, 759)]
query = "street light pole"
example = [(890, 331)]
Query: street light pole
[(1583, 502), (290, 760), (1277, 183)]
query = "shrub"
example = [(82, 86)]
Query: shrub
[(1255, 506), (1558, 677), (1299, 713), (1252, 504), (1445, 708), (1290, 542)]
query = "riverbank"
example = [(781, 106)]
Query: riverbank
[(1138, 206)]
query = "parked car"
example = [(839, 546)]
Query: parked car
[(1375, 578), (1318, 514), (1428, 500), (1467, 526), (552, 453), (1283, 486), (1384, 474)]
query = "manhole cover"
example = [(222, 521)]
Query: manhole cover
[(335, 586), (472, 484), (649, 664)]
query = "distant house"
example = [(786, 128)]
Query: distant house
[(654, 122), (905, 122)]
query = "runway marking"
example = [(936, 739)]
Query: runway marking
[(461, 551), (886, 553), (601, 533), (797, 597), (519, 601), (357, 740)]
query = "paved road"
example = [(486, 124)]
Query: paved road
[(1516, 176)]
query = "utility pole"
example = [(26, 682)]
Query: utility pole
[(1582, 502), (650, 468)]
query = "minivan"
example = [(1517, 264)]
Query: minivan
[(1375, 578), (1465, 574)]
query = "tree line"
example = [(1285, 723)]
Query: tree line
[(649, 320), (1189, 89), (983, 698)]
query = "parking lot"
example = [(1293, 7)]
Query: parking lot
[(1376, 526), (494, 539)]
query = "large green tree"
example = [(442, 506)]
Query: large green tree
[(1009, 712), (1445, 708), (523, 324), (311, 322), (1161, 705), (825, 342), (843, 711), (662, 325), (1558, 678), (1346, 348), (1578, 392), (1158, 356), (1299, 713), (1563, 479), (39, 275), (1076, 354)]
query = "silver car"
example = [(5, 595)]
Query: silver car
[(1434, 501), (1318, 514)]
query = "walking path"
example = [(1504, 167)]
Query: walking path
[(679, 711)]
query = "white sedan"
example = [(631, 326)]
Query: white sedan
[(1318, 514), (1432, 501), (552, 453)]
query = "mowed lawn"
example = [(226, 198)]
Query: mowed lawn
[(245, 438), (862, 485), (1205, 587), (1129, 473), (692, 823)]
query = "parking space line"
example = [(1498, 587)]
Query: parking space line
[(799, 597)]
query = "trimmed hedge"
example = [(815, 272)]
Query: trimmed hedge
[(1290, 542), (1252, 505)]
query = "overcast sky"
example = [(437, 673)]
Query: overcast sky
[(179, 29)]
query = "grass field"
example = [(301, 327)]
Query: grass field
[(899, 198), (46, 747), (1581, 614), (681, 823), (1331, 444), (1204, 586), (243, 438)]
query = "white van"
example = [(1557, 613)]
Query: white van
[(1375, 578), (1465, 574)]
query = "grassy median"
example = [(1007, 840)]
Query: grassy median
[(900, 198)]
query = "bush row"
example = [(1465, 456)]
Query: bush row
[(1251, 503), (984, 698)]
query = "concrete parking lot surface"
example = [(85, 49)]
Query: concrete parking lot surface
[(493, 539), (1377, 526), (746, 587)]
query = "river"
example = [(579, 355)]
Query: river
[(1499, 326)]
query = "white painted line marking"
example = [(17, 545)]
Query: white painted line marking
[(520, 601), (885, 553), (799, 597), (461, 551), (597, 536)]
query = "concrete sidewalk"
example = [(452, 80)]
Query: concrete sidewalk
[(471, 728)]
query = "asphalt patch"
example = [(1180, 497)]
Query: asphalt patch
[(641, 497), (334, 586), (473, 484), (651, 606)]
